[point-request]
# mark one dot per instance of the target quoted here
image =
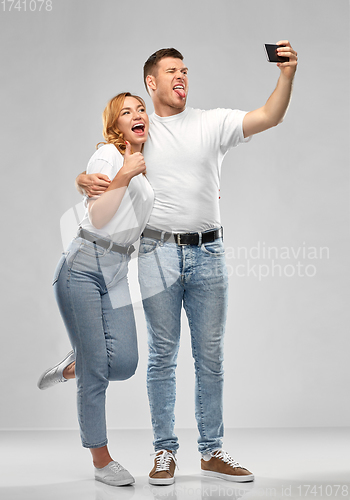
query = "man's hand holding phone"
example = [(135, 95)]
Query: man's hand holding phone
[(284, 55)]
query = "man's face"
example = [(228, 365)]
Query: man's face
[(170, 84)]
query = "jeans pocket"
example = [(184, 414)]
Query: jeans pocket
[(215, 248), (147, 246), (92, 249), (59, 266)]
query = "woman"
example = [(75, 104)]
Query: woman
[(91, 285)]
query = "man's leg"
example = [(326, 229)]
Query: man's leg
[(162, 294), (205, 302), (159, 267)]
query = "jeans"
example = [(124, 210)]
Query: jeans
[(92, 293), (196, 277)]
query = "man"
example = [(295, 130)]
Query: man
[(181, 258)]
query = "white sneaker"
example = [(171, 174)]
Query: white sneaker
[(54, 375), (114, 474)]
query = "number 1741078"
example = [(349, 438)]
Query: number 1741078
[(323, 490), (26, 5)]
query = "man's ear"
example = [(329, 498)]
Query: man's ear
[(151, 82)]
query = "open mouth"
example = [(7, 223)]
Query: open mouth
[(139, 128), (180, 91)]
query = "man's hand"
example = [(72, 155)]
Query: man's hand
[(275, 108), (289, 68), (92, 184)]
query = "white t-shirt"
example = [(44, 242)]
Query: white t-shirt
[(133, 213), (183, 155)]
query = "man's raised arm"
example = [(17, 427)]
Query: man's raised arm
[(273, 112), (92, 184)]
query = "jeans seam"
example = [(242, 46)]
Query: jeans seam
[(111, 283), (197, 371), (79, 396), (107, 340), (183, 265), (160, 270)]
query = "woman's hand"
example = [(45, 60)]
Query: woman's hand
[(134, 164)]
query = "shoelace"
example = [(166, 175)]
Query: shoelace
[(163, 461), (116, 467), (225, 457)]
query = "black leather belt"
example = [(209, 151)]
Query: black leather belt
[(183, 238), (82, 233)]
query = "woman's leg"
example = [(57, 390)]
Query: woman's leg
[(78, 296), (101, 328), (101, 457), (121, 345), (119, 331)]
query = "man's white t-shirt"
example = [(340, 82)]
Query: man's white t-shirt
[(183, 155), (132, 215)]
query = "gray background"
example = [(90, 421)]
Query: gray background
[(287, 361)]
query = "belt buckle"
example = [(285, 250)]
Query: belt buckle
[(178, 240)]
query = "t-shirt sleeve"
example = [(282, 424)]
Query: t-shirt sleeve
[(231, 128), (106, 160)]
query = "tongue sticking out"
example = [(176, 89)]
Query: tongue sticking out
[(138, 129), (180, 92)]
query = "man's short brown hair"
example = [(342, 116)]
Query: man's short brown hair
[(151, 63)]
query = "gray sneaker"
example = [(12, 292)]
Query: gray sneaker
[(114, 474), (54, 375)]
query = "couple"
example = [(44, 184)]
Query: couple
[(181, 261)]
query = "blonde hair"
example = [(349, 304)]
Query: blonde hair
[(110, 116)]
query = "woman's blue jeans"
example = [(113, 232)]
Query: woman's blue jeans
[(196, 277), (92, 293)]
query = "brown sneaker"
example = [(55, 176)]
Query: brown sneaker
[(164, 468), (220, 464)]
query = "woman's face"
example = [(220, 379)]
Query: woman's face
[(133, 122)]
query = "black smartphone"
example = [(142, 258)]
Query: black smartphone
[(271, 53)]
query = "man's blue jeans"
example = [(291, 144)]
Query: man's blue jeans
[(196, 277), (92, 293)]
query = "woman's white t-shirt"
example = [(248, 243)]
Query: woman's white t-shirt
[(133, 213)]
